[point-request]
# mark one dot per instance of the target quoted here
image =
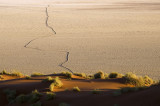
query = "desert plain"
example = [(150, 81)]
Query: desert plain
[(81, 36)]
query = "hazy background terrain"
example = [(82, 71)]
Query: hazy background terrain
[(109, 35)]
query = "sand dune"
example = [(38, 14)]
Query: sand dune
[(121, 36)]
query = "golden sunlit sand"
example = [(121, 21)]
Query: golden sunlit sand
[(120, 36)]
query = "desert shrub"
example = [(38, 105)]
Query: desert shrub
[(57, 82), (106, 76), (96, 91), (5, 72), (16, 73), (98, 75), (148, 81), (81, 75), (21, 98), (76, 89), (51, 87), (134, 80), (68, 75), (117, 92), (28, 77), (50, 95), (64, 104), (1, 77), (36, 92), (11, 95), (37, 104), (33, 98), (36, 74), (115, 75), (54, 73), (48, 79)]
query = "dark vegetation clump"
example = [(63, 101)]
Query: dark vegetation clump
[(99, 75)]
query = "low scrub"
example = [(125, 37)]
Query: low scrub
[(51, 87), (76, 89), (21, 98), (81, 75), (48, 79), (5, 72), (11, 95), (28, 77), (67, 74), (57, 82), (99, 75), (16, 73), (50, 95), (138, 81), (115, 75), (36, 74), (1, 77)]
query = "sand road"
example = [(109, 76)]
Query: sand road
[(119, 35)]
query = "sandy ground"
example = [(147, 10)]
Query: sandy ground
[(146, 97), (119, 35)]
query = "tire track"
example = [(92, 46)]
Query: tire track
[(47, 25), (67, 59)]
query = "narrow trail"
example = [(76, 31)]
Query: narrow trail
[(47, 25), (67, 59)]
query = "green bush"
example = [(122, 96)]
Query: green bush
[(51, 87), (98, 75), (1, 77), (33, 98), (57, 82), (37, 104), (115, 75), (50, 95), (28, 77), (134, 80), (5, 72), (21, 98), (64, 104), (76, 89), (96, 91), (36, 74), (48, 79), (68, 75), (36, 92), (81, 75), (148, 81), (11, 95), (16, 73)]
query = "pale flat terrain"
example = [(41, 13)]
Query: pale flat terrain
[(109, 35)]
